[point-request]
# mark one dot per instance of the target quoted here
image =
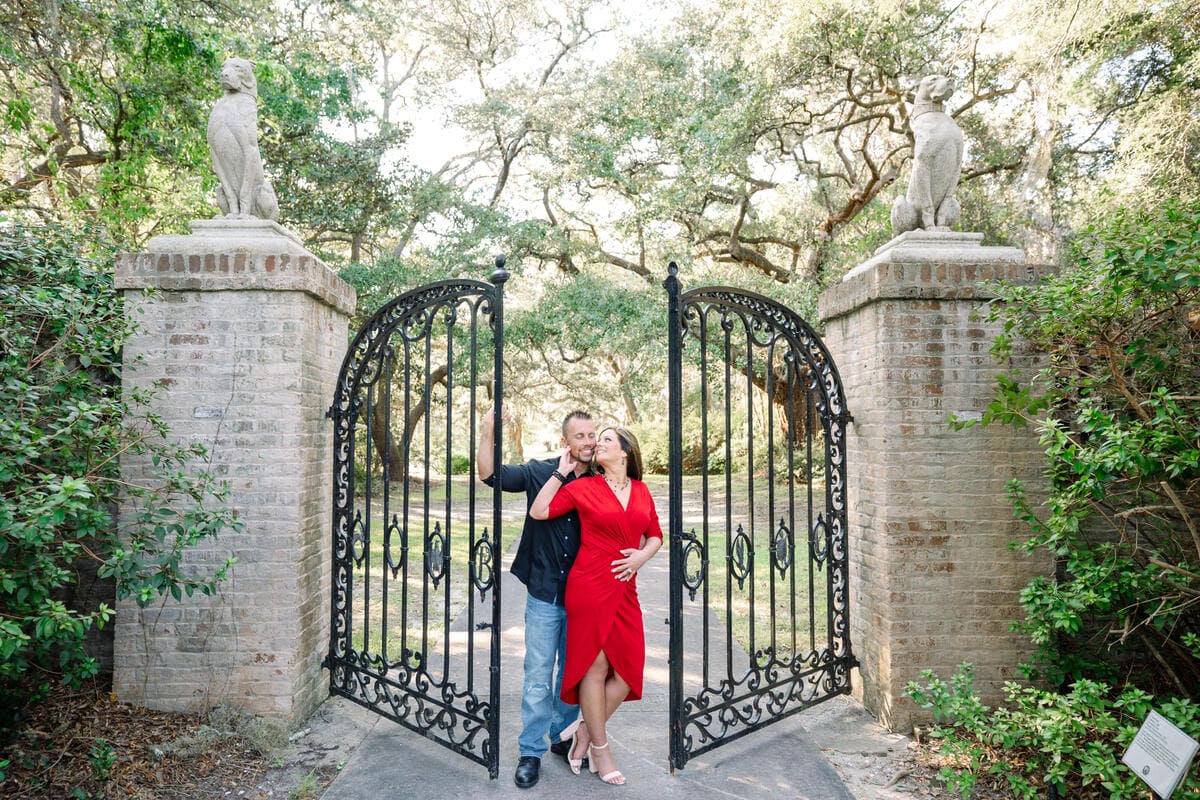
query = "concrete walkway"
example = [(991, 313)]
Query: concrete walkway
[(786, 759)]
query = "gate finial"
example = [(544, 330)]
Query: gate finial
[(672, 275), (499, 274)]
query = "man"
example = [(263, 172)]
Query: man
[(544, 557)]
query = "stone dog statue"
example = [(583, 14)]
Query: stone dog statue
[(936, 162), (244, 191)]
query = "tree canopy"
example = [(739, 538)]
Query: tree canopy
[(750, 143)]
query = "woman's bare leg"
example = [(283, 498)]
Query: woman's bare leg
[(592, 705), (601, 692)]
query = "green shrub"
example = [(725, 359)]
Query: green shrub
[(652, 440), (460, 465), (1072, 741), (64, 427), (1118, 408)]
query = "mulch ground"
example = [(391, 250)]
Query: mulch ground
[(85, 744)]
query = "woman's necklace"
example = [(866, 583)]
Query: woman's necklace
[(617, 487)]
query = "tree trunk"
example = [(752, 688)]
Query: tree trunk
[(396, 453), (626, 392), (1040, 235)]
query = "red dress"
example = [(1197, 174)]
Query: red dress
[(603, 612)]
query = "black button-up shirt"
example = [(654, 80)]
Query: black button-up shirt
[(548, 547)]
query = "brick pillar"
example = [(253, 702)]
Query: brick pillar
[(933, 582), (243, 333)]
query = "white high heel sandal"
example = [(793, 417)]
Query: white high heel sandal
[(614, 778), (576, 764)]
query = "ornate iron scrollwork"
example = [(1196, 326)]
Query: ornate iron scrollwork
[(816, 541), (359, 542), (437, 556), (394, 531), (782, 548), (695, 563), (482, 559), (746, 347), (741, 557), (427, 350)]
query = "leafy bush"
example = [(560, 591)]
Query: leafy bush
[(64, 428), (1072, 741), (1119, 415), (1118, 408), (652, 440)]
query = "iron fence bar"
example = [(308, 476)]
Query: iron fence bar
[(365, 563), (677, 751), (769, 382), (790, 415), (702, 321), (752, 648), (406, 507), (498, 277), (448, 541), (472, 533), (727, 391), (427, 403), (386, 463), (812, 610)]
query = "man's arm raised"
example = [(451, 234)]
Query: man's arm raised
[(485, 463)]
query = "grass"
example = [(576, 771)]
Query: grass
[(308, 788), (406, 610), (796, 626)]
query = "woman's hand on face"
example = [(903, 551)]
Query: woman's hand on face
[(626, 567)]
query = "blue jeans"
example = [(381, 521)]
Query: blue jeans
[(543, 713)]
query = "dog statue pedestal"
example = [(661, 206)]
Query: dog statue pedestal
[(936, 247), (240, 339), (933, 582)]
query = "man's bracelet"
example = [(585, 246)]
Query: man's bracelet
[(561, 478)]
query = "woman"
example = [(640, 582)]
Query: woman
[(606, 646)]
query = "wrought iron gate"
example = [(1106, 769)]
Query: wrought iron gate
[(759, 606), (415, 632)]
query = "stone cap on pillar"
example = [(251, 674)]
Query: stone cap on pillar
[(226, 254), (930, 265)]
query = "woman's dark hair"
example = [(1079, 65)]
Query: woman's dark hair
[(633, 451)]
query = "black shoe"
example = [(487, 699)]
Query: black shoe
[(527, 771)]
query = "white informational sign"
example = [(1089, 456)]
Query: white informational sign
[(1160, 754)]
